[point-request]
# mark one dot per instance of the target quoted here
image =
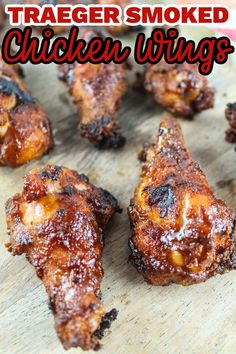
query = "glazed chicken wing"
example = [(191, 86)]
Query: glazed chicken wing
[(58, 222), (180, 232), (25, 132), (97, 90), (179, 88), (230, 115)]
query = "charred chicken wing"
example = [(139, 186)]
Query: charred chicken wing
[(58, 222), (97, 90), (230, 114), (180, 232), (179, 88), (25, 132)]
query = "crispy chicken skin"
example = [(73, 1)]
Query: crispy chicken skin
[(180, 232), (58, 222), (97, 90), (230, 115), (25, 132), (57, 29), (179, 88)]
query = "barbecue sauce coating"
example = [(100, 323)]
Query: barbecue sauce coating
[(58, 222), (179, 88), (230, 115), (25, 132), (97, 90), (180, 232)]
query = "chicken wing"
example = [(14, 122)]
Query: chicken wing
[(97, 90), (25, 132), (58, 222), (179, 88), (180, 232), (230, 115), (2, 16)]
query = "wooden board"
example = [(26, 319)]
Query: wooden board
[(160, 320)]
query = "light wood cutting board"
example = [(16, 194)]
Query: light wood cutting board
[(160, 320)]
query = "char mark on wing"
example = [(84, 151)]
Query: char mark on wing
[(112, 201), (83, 178), (136, 257), (52, 174), (69, 190), (161, 196), (106, 323), (8, 88)]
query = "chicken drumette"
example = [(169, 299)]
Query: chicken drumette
[(97, 90), (58, 222), (230, 115), (179, 88), (180, 232), (25, 132)]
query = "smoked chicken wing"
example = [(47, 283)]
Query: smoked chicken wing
[(180, 232), (97, 90), (58, 222), (179, 88), (25, 132), (230, 115)]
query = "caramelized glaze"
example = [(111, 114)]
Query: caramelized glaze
[(25, 132), (97, 90), (58, 222), (179, 88), (180, 232)]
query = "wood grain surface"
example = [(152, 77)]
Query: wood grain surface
[(160, 320)]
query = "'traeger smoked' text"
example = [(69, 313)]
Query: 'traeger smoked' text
[(133, 15)]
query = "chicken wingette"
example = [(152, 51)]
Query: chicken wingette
[(230, 115), (58, 222), (25, 132), (180, 232), (97, 90), (179, 88)]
